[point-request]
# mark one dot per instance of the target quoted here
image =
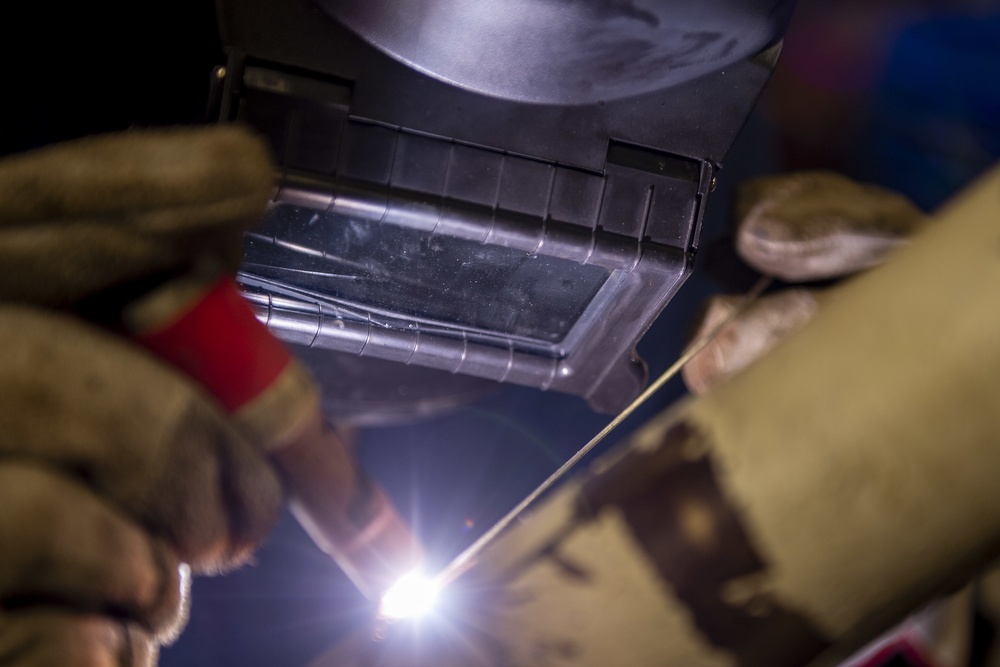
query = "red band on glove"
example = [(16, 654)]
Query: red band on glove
[(220, 343), (901, 651)]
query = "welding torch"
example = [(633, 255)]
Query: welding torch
[(201, 325)]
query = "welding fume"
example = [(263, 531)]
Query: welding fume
[(452, 197)]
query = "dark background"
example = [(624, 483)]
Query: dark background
[(906, 94)]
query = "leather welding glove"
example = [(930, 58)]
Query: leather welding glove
[(114, 470), (812, 226), (798, 227)]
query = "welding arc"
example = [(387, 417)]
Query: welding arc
[(467, 557)]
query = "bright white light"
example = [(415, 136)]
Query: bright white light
[(413, 595)]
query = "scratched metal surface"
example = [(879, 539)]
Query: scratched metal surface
[(555, 52)]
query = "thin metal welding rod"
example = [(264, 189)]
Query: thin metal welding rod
[(458, 565)]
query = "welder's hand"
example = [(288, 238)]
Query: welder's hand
[(805, 227), (797, 227), (113, 469)]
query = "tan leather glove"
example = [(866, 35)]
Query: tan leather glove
[(799, 227), (115, 471), (811, 226)]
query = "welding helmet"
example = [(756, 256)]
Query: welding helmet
[(482, 191)]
